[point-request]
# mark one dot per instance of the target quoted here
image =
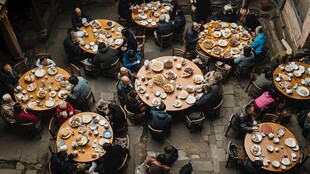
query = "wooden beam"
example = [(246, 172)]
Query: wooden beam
[(289, 50)]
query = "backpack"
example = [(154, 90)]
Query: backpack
[(186, 169)]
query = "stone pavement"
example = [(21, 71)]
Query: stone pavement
[(205, 149)]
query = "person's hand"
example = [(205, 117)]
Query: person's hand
[(15, 90), (254, 128), (71, 113), (123, 48)]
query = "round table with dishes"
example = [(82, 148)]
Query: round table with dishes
[(293, 80), (224, 40), (172, 80), (146, 15), (100, 30), (275, 145), (83, 135), (43, 88)]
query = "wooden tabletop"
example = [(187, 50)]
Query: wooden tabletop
[(89, 150), (248, 143), (183, 81), (49, 81), (226, 48), (149, 16), (91, 37), (294, 80)]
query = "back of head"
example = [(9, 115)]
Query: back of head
[(6, 98), (169, 149), (258, 164), (101, 45), (73, 80), (268, 74), (247, 51), (125, 79), (17, 107), (131, 54), (162, 107), (273, 93), (195, 26), (162, 18), (111, 106), (228, 10), (107, 147), (62, 155), (161, 158), (63, 105), (259, 29), (249, 107)]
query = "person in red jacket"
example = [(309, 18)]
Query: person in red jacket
[(22, 116), (63, 111)]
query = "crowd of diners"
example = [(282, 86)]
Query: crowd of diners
[(158, 118)]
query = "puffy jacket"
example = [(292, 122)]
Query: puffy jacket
[(259, 44), (264, 101), (160, 119), (242, 121), (209, 99), (164, 28)]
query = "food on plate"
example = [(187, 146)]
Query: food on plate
[(82, 140), (217, 34), (256, 137), (297, 73), (59, 77), (82, 129), (190, 88), (41, 94), (208, 43), (31, 87), (168, 88), (233, 42), (141, 89), (168, 64), (245, 35), (64, 83), (29, 78), (227, 55), (197, 78), (290, 142), (49, 103), (159, 79), (74, 121), (280, 132), (63, 94), (188, 71), (156, 101), (217, 50), (284, 76), (170, 75), (198, 88), (235, 51), (222, 43), (65, 133), (157, 66), (86, 118), (108, 35), (110, 24), (52, 70), (256, 150), (302, 91), (52, 94), (177, 103), (266, 129), (226, 33), (288, 68), (217, 25), (284, 85), (183, 95), (95, 24), (39, 72)]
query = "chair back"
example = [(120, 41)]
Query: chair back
[(192, 122), (129, 114), (155, 130), (304, 155), (50, 168), (30, 129), (75, 71), (52, 146), (178, 52), (86, 66), (228, 150), (116, 66), (124, 164), (270, 118), (255, 91), (53, 127), (21, 67), (165, 40), (230, 119), (216, 109), (203, 55), (222, 70), (43, 54)]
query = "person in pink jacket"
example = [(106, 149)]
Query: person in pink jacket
[(266, 100), (63, 111)]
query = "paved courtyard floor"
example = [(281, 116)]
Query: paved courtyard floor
[(205, 149)]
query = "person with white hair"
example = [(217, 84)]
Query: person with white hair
[(7, 110), (164, 27), (226, 14), (126, 72), (259, 43), (72, 49), (64, 111)]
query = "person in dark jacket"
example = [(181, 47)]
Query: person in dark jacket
[(62, 163), (123, 88), (253, 167), (116, 116), (191, 37), (123, 9), (9, 78), (209, 99), (104, 58), (130, 42), (160, 119), (77, 19), (246, 59), (134, 104), (72, 49), (203, 10), (226, 14), (244, 119), (179, 21), (163, 28)]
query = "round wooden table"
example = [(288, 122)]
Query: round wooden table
[(49, 80), (91, 35), (88, 149), (208, 32), (294, 80), (183, 81), (149, 14), (248, 143)]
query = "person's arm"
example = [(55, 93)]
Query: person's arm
[(245, 126), (74, 24), (30, 117), (254, 44), (128, 64), (38, 62), (75, 94), (51, 62), (237, 60), (88, 17)]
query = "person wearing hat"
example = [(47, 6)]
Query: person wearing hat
[(164, 27), (63, 111), (226, 14), (191, 36), (105, 57)]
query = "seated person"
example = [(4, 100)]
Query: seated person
[(43, 61), (163, 28), (226, 14), (191, 37), (266, 100), (212, 77), (279, 58), (246, 59), (22, 116), (171, 155), (134, 104), (160, 119), (10, 77), (62, 163), (243, 121), (77, 19), (156, 166), (104, 58), (201, 63), (64, 111), (124, 87), (79, 91), (264, 80), (72, 49), (259, 43), (130, 41), (210, 98), (7, 110), (126, 72), (117, 117), (254, 167), (102, 107), (179, 21), (304, 122), (132, 61)]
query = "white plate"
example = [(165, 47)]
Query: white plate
[(280, 132), (275, 164), (80, 33), (144, 23), (233, 25), (190, 99), (40, 72), (119, 29), (156, 101), (270, 148), (256, 137), (163, 95), (49, 103), (86, 118), (259, 152), (141, 89), (102, 122), (285, 161), (167, 8), (60, 94), (197, 78), (177, 103), (93, 126), (303, 91), (59, 77), (68, 87), (149, 20), (52, 94), (290, 142), (153, 23), (217, 34), (144, 16), (52, 70), (222, 43), (31, 105), (95, 48), (119, 41), (296, 148)]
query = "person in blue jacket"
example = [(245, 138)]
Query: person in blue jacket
[(132, 61), (259, 43)]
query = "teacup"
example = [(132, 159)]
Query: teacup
[(74, 145), (63, 148), (75, 153), (270, 136)]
